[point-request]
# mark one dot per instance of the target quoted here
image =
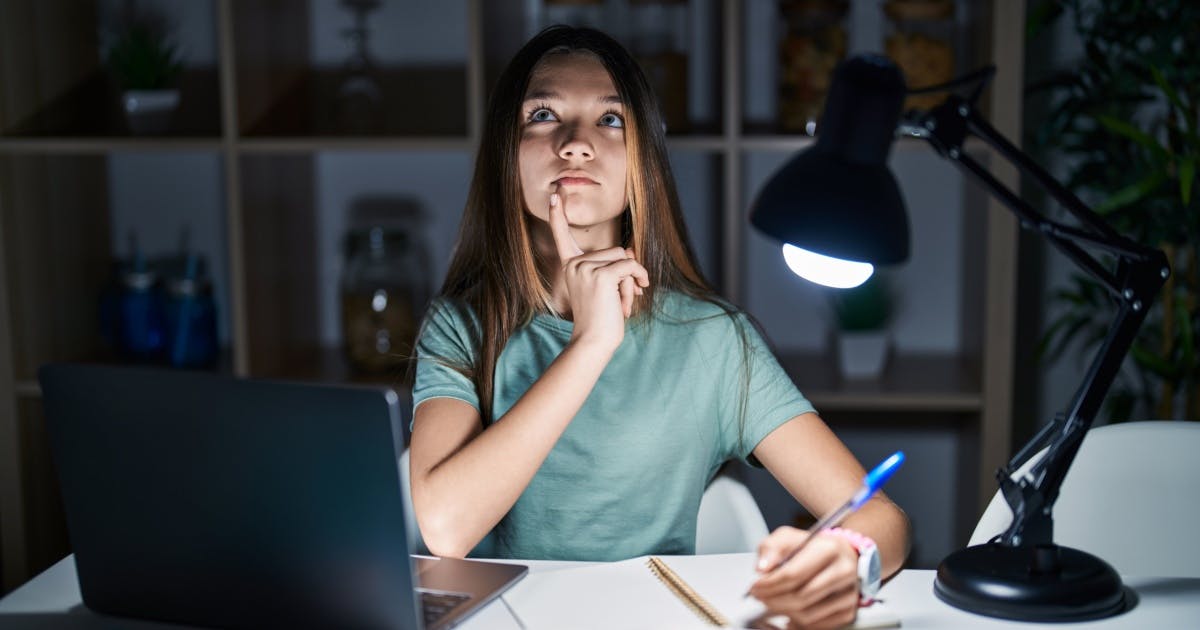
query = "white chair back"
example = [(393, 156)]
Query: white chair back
[(1131, 497), (729, 519)]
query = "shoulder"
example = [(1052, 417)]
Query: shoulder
[(450, 310), (704, 315), (450, 320)]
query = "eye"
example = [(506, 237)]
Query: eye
[(612, 119), (542, 114)]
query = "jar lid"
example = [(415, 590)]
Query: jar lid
[(138, 280)]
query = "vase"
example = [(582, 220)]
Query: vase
[(149, 111), (862, 355)]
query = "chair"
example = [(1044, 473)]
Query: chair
[(729, 519), (1131, 497)]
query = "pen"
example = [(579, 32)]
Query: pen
[(872, 482)]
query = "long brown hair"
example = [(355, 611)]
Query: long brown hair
[(494, 268)]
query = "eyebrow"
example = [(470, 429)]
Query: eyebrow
[(548, 95)]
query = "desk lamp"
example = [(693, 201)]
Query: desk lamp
[(838, 199)]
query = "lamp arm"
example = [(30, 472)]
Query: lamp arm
[(1139, 275)]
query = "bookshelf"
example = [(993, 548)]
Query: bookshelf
[(257, 117)]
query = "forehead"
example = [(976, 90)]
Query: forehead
[(566, 74)]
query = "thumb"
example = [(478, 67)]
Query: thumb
[(561, 230)]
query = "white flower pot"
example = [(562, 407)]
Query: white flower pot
[(149, 111), (862, 355)]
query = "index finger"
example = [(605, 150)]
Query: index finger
[(561, 230)]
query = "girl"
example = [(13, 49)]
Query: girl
[(579, 383)]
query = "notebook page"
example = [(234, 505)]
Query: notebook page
[(627, 595)]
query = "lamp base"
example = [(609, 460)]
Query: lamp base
[(1042, 583)]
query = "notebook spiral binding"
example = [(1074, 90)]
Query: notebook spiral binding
[(691, 598)]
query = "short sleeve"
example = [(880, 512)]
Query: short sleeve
[(757, 395), (445, 353)]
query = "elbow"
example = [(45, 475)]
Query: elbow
[(445, 542), (442, 533)]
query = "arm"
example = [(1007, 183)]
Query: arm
[(819, 586), (465, 478)]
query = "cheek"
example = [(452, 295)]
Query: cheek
[(527, 171)]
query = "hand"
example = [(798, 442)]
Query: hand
[(818, 588), (601, 285)]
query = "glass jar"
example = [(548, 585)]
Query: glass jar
[(658, 39), (920, 39), (384, 289), (813, 43)]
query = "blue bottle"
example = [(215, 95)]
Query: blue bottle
[(139, 314), (191, 319)]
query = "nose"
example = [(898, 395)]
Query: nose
[(575, 145)]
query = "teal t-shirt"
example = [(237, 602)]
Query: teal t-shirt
[(626, 477)]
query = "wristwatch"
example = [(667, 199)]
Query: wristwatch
[(870, 569)]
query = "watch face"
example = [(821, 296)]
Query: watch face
[(870, 571)]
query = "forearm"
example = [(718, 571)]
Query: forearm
[(465, 495), (886, 524)]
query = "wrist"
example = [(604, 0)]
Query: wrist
[(595, 347), (870, 571)]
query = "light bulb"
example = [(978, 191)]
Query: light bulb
[(826, 270)]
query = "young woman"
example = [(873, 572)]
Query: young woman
[(578, 381)]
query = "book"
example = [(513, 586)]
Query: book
[(655, 592)]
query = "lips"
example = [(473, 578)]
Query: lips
[(575, 179)]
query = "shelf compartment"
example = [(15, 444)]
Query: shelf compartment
[(910, 383), (92, 109), (417, 101), (61, 274)]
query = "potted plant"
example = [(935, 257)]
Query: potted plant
[(1127, 121), (147, 66), (862, 315)]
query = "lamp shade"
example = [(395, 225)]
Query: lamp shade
[(838, 198)]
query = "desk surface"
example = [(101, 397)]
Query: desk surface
[(52, 600)]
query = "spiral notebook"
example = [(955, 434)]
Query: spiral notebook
[(654, 592)]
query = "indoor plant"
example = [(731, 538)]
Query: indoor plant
[(147, 66), (1125, 122), (862, 315)]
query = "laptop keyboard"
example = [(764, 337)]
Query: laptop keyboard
[(435, 604)]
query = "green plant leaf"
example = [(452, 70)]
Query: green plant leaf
[(1187, 173), (1127, 130), (1187, 342), (1151, 361), (1132, 193)]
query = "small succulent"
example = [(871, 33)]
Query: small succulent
[(142, 57), (865, 307)]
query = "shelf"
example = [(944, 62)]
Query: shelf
[(414, 102), (910, 382), (103, 145), (92, 110)]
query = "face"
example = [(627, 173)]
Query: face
[(573, 141)]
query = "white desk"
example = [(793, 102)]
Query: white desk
[(52, 600)]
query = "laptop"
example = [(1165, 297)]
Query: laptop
[(208, 500)]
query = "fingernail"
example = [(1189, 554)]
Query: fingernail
[(763, 563), (554, 199)]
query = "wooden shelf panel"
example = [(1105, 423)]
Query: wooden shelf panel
[(103, 145), (412, 102), (910, 382), (92, 109)]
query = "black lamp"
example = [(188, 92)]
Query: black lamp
[(838, 198)]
